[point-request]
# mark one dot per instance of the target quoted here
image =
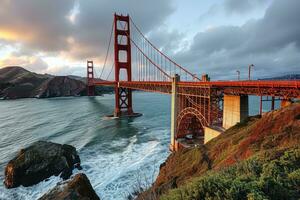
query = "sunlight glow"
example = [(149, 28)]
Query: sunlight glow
[(8, 35)]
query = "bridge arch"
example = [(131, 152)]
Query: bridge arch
[(190, 121)]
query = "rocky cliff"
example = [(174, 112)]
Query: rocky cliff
[(256, 159), (60, 86)]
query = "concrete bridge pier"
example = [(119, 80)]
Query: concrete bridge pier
[(174, 112), (235, 110)]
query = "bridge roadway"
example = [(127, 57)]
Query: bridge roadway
[(278, 88)]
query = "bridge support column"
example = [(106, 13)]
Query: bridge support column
[(273, 103), (235, 110), (174, 110), (212, 132)]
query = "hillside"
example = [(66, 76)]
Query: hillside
[(284, 77), (17, 82), (61, 86), (256, 159)]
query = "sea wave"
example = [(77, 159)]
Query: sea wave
[(115, 153)]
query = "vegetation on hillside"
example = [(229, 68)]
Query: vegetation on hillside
[(257, 178)]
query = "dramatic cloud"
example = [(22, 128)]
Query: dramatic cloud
[(59, 36), (168, 41), (75, 30), (55, 26), (271, 43), (244, 6), (41, 25), (95, 19)]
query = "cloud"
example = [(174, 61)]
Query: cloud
[(75, 30), (41, 25), (244, 6), (37, 65), (48, 25), (71, 31), (168, 41), (271, 43), (34, 63), (94, 26)]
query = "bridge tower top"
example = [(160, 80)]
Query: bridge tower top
[(90, 79), (122, 61)]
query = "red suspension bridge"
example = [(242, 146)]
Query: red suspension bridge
[(201, 108)]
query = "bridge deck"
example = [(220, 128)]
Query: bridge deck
[(278, 88)]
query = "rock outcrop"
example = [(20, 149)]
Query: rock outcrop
[(60, 86), (40, 161), (78, 188)]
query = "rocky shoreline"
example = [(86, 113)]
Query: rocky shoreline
[(40, 161), (79, 187)]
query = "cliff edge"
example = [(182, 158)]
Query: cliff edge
[(258, 158)]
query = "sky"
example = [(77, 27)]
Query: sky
[(216, 37)]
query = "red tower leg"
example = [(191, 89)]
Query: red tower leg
[(123, 96)]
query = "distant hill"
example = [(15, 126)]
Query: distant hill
[(284, 77), (17, 82)]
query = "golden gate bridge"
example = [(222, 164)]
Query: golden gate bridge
[(201, 109)]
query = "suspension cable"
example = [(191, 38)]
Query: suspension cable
[(112, 67), (195, 77), (113, 64), (133, 42), (108, 48)]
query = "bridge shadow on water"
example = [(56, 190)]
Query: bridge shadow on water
[(97, 106), (109, 134)]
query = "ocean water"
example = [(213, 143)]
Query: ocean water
[(115, 154)]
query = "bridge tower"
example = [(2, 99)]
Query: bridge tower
[(90, 79), (123, 96)]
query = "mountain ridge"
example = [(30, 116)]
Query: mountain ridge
[(17, 82)]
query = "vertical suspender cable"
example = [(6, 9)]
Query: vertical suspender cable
[(107, 51)]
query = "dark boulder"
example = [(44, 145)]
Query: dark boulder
[(40, 161), (78, 188)]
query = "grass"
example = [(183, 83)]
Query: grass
[(260, 177)]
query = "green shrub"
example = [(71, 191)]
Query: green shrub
[(254, 179)]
